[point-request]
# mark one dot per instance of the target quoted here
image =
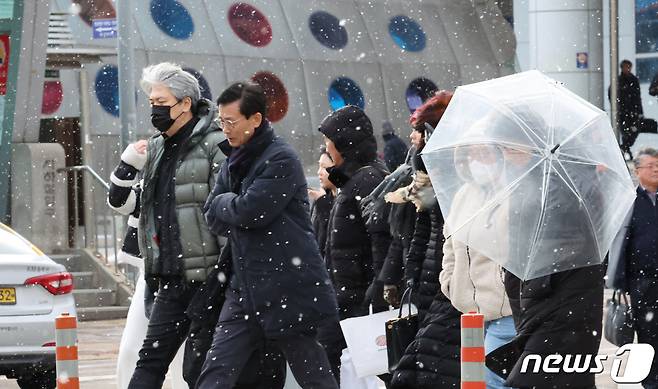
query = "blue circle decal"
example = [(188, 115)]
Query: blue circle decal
[(344, 91), (406, 33), (172, 18), (326, 28), (418, 91), (107, 89)]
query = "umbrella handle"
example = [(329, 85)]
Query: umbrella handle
[(554, 149)]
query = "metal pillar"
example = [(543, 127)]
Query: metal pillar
[(126, 72), (614, 64)]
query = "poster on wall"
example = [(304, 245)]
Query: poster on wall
[(4, 62)]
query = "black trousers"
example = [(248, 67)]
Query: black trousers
[(169, 327), (238, 334), (644, 302)]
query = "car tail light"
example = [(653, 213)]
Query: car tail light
[(49, 344), (58, 283)]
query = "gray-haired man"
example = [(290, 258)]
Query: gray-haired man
[(633, 259), (178, 166)]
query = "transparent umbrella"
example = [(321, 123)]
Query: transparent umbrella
[(528, 174)]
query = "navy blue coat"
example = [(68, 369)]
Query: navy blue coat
[(276, 260)]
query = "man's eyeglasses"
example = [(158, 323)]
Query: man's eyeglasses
[(651, 166), (225, 123)]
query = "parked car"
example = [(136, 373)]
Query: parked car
[(34, 290)]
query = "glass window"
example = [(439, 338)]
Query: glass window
[(250, 25), (275, 93), (107, 89), (327, 29), (6, 9), (418, 91), (406, 33), (646, 26), (172, 18), (646, 69), (344, 91)]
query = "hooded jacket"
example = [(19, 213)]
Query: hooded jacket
[(472, 281), (354, 252)]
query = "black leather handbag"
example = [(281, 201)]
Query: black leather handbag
[(619, 324), (400, 332)]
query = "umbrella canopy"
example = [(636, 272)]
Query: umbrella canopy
[(529, 174)]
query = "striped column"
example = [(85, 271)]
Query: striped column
[(472, 352), (66, 337)]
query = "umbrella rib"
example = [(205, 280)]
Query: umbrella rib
[(580, 198), (515, 146), (542, 212)]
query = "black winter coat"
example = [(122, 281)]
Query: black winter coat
[(556, 314), (629, 98), (432, 359), (355, 253), (402, 221), (425, 257), (320, 211), (279, 271)]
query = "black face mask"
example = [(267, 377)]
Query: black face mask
[(161, 116)]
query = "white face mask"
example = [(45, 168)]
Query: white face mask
[(484, 173)]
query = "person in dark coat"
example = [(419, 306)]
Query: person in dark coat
[(423, 262), (402, 220), (354, 253), (629, 100), (395, 150), (633, 259), (323, 200), (560, 313), (279, 290), (432, 359)]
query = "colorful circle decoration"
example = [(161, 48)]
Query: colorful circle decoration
[(418, 91), (406, 33), (172, 18), (203, 83), (249, 24), (275, 93), (95, 9), (107, 89), (326, 28), (53, 94), (344, 91)]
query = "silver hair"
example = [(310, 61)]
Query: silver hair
[(181, 83), (647, 151)]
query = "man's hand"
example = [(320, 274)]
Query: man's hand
[(141, 146)]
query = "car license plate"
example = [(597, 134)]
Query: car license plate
[(7, 296)]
